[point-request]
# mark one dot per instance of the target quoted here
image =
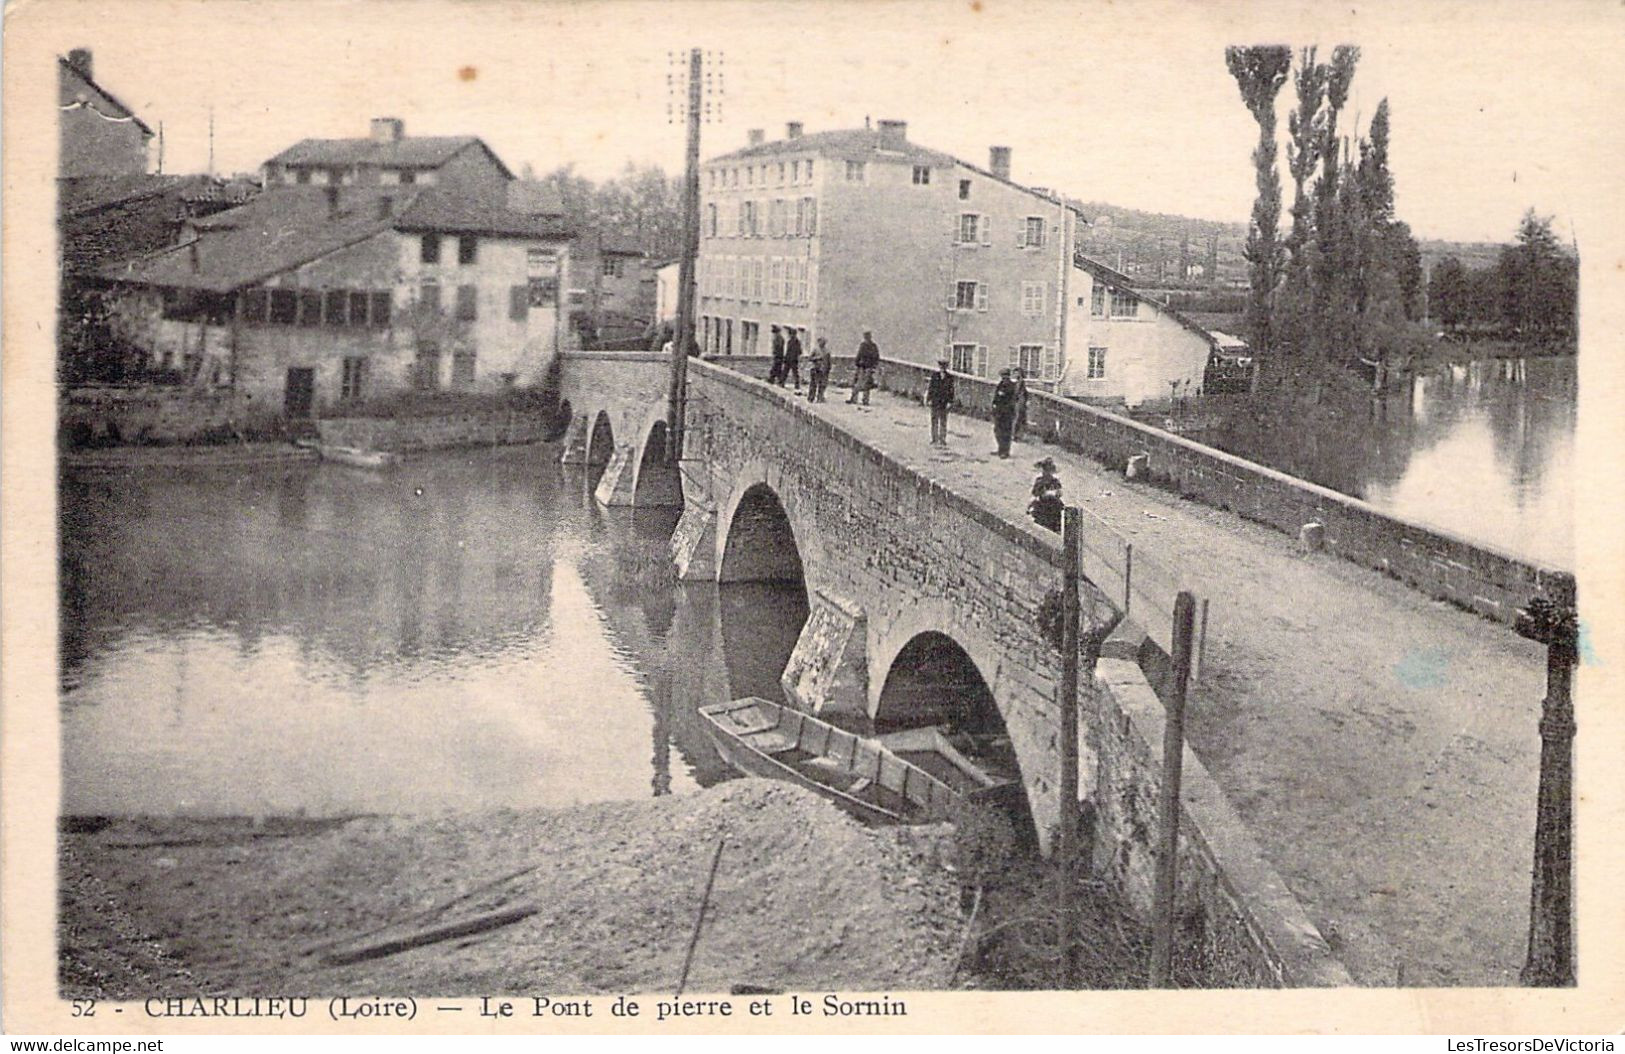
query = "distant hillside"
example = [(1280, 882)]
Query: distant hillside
[(1163, 251)]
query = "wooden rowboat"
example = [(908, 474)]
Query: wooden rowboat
[(918, 777), (358, 458)]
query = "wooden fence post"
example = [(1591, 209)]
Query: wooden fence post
[(1173, 758)]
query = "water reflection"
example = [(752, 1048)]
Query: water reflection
[(470, 632), (1484, 450)]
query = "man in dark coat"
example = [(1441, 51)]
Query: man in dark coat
[(1004, 412), (1046, 506), (819, 374), (939, 396), (776, 374), (792, 360), (863, 376)]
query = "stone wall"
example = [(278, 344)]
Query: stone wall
[(1442, 565), (438, 431), (156, 414)]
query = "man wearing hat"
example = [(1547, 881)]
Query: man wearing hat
[(1004, 412), (939, 396)]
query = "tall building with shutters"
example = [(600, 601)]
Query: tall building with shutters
[(836, 233)]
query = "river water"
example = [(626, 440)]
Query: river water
[(471, 631), (1484, 450)]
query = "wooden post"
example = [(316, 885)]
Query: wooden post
[(1066, 845), (1550, 958), (685, 270), (1173, 758)]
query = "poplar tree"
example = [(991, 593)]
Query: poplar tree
[(1305, 127), (1260, 72)]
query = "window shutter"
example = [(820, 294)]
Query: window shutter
[(1043, 296), (987, 229), (1052, 362), (1015, 357), (953, 295), (981, 360), (1021, 234), (981, 296)]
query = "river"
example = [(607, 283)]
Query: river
[(469, 632), (1483, 449)]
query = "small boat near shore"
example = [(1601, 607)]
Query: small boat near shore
[(914, 776), (355, 457)]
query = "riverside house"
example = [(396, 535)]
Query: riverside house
[(311, 297)]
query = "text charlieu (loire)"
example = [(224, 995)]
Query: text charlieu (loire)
[(353, 1008)]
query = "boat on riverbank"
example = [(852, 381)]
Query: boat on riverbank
[(914, 776), (355, 457)]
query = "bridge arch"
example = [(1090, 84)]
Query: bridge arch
[(758, 541), (600, 446), (937, 676), (659, 482)]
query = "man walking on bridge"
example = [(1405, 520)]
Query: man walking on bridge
[(939, 396), (818, 377), (863, 376), (792, 360), (1004, 412), (776, 374)]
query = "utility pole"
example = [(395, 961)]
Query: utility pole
[(1067, 844), (1550, 959), (1173, 763), (678, 387)]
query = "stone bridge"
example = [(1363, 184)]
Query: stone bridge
[(923, 607)]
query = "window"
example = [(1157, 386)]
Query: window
[(1097, 302), (973, 229), (543, 292), (1032, 298), (408, 178), (812, 216), (429, 299), (1030, 359), (303, 176), (430, 253), (354, 380), (748, 332), (854, 171), (750, 175), (1032, 232), (467, 247), (795, 172), (518, 303), (922, 175), (336, 308), (284, 307), (256, 305), (964, 190), (379, 303), (462, 368), (711, 219), (613, 267), (809, 170), (781, 173), (969, 296), (310, 307), (358, 309), (465, 303), (426, 369), (1097, 363), (963, 358), (775, 282), (1124, 305), (759, 278)]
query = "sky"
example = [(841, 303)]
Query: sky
[(1122, 102)]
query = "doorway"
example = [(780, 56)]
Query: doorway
[(299, 392)]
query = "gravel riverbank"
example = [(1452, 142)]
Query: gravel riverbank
[(804, 897)]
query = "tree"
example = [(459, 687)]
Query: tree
[(1537, 282), (1259, 72), (1448, 293)]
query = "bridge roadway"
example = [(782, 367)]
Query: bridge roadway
[(1381, 746)]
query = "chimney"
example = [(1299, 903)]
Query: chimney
[(893, 135), (79, 59), (755, 137), (792, 130), (998, 161), (332, 201), (388, 129)]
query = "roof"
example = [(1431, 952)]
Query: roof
[(411, 151), (288, 227), (275, 232), (112, 100), (614, 243), (1120, 281), (461, 212), (850, 144), (82, 195), (1225, 340)]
